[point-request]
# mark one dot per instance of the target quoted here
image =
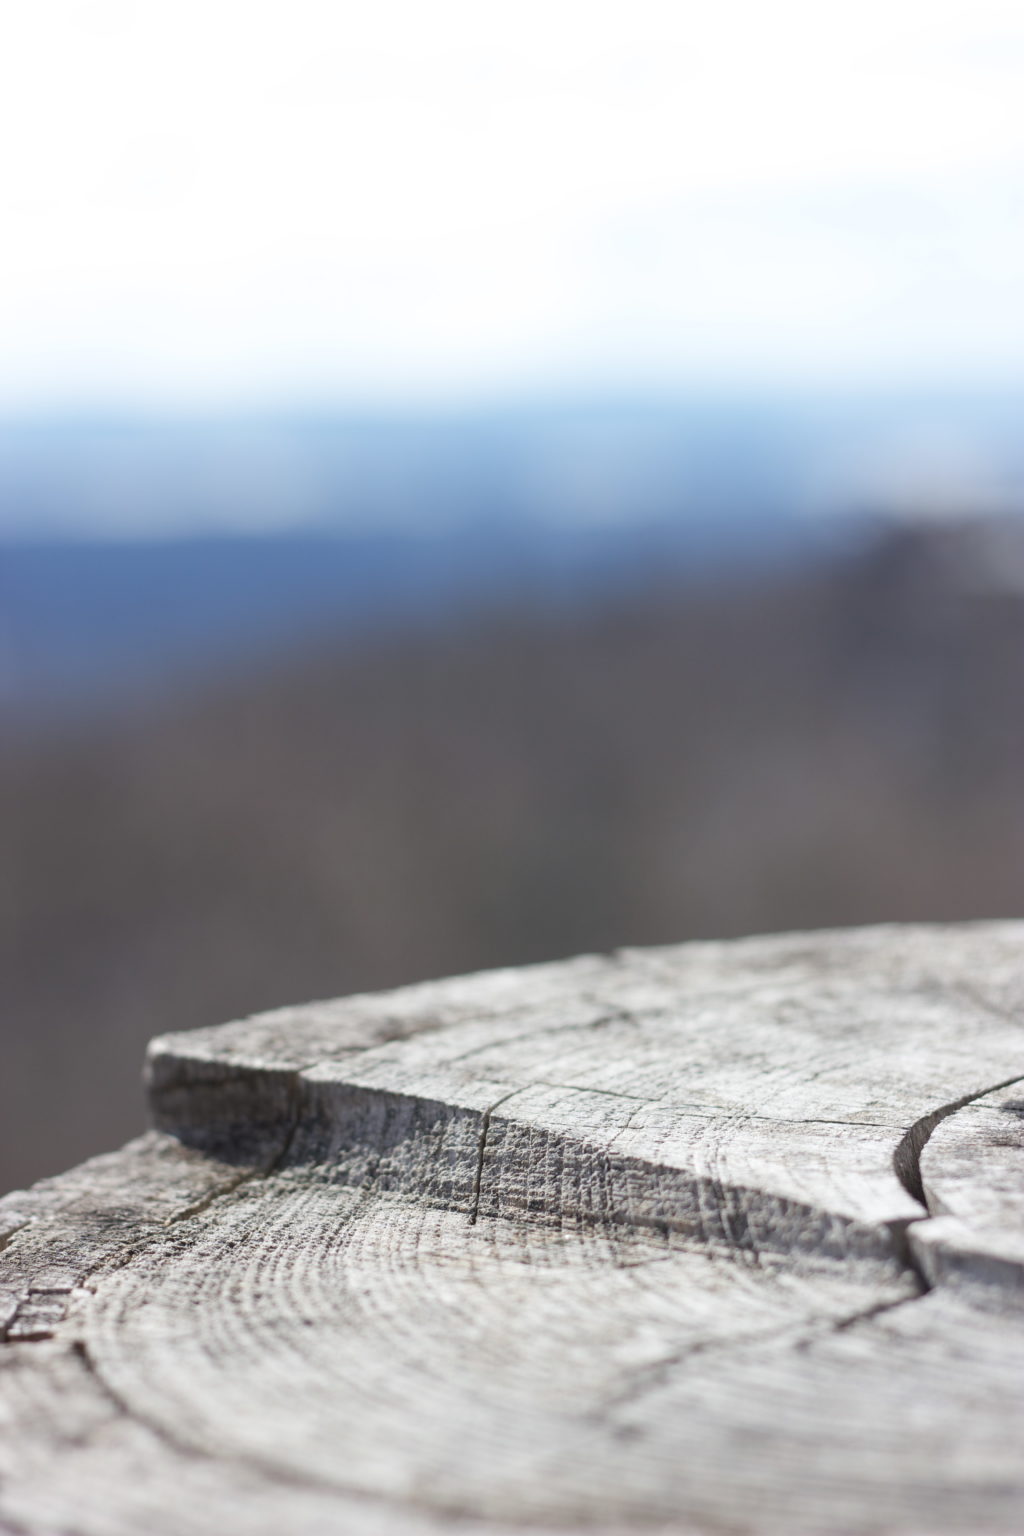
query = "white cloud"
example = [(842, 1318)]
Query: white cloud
[(230, 199)]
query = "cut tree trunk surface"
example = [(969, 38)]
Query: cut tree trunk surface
[(716, 1238)]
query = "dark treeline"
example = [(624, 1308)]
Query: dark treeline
[(832, 746)]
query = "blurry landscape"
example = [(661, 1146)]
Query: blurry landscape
[(246, 771), (480, 485)]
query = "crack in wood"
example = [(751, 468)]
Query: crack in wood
[(907, 1157), (485, 1125)]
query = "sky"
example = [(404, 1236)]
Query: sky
[(215, 203)]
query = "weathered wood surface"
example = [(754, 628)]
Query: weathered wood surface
[(718, 1238)]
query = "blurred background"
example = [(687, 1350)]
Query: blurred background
[(484, 483)]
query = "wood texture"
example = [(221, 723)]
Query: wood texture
[(716, 1238)]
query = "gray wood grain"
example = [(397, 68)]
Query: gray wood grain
[(720, 1237)]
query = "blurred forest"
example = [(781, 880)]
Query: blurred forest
[(832, 745)]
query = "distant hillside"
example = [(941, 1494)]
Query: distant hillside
[(84, 625), (818, 746)]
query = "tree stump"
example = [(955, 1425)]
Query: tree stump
[(723, 1237)]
